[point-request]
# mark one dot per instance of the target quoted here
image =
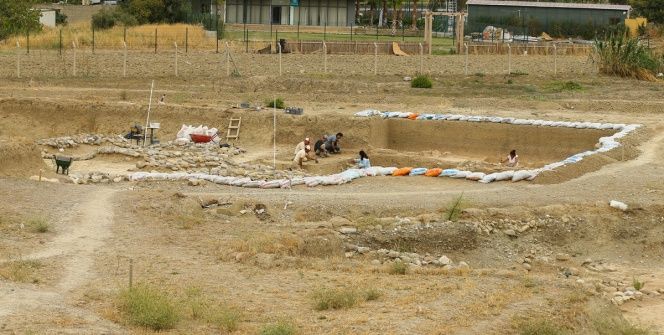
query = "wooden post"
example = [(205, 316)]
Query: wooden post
[(131, 272), (18, 60), (60, 46), (509, 59), (155, 41), (375, 58), (93, 39), (73, 44), (124, 61), (186, 40), (324, 57), (176, 58), (421, 59), (465, 71)]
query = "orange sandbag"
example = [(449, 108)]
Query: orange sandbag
[(433, 172), (413, 116), (402, 172)]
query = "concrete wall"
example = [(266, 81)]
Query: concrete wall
[(47, 18)]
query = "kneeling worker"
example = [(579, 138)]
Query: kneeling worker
[(303, 155)]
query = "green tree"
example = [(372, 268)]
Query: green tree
[(145, 11), (651, 9), (17, 17), (178, 10)]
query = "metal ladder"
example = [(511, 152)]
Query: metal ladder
[(233, 129)]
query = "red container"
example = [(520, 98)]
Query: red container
[(196, 138)]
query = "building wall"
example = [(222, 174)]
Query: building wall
[(308, 13), (547, 17), (47, 18)]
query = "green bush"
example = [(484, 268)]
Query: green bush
[(421, 81), (108, 18), (560, 86), (325, 299), (622, 56), (148, 307), (372, 294), (454, 209), (278, 103), (279, 328), (39, 225), (539, 327), (398, 268), (226, 319)]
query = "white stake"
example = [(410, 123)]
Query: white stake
[(421, 59), (509, 59), (555, 61), (74, 47), (18, 60), (228, 60), (147, 121), (465, 45), (375, 58), (324, 57), (124, 61), (176, 58)]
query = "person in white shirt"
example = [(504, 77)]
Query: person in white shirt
[(512, 159), (301, 145), (303, 155)]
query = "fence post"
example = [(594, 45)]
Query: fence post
[(155, 41), (124, 61), (421, 59), (93, 39), (60, 46), (465, 45), (73, 44), (509, 59), (228, 60), (375, 58), (186, 40), (18, 60), (555, 61), (124, 36), (176, 58), (279, 46), (324, 57)]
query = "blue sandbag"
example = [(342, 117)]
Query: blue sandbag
[(417, 171)]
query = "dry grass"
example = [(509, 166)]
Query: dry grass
[(278, 328), (149, 307), (315, 245), (341, 298), (23, 271), (138, 37)]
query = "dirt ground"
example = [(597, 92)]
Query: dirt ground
[(548, 256)]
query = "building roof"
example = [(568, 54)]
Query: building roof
[(548, 4)]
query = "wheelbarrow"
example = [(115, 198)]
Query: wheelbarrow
[(63, 163), (198, 138)]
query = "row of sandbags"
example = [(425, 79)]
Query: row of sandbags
[(604, 144), (470, 175)]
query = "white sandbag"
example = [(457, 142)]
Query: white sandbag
[(461, 174), (271, 184), (488, 178), (521, 175), (372, 171), (253, 184), (475, 176), (504, 175), (387, 171), (405, 115), (618, 205), (297, 181), (239, 181), (367, 113), (393, 114), (454, 117), (475, 119)]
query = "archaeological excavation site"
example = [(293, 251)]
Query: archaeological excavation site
[(328, 200)]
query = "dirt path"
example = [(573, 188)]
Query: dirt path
[(89, 227)]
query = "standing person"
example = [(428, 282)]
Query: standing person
[(363, 162), (319, 147), (301, 145), (512, 159), (332, 143), (162, 100)]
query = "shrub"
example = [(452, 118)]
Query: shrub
[(278, 103), (226, 319), (421, 81), (325, 299), (148, 307), (279, 328), (39, 225), (560, 86), (539, 327), (625, 57), (637, 284), (372, 294), (454, 209), (108, 18), (398, 268)]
